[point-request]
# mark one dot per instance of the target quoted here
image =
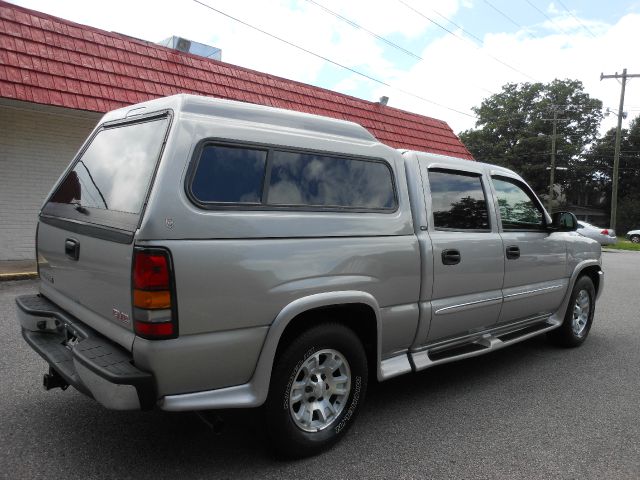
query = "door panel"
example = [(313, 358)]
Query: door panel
[(468, 263), (535, 259), (534, 283), (466, 296)]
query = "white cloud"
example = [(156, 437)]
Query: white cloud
[(455, 72)]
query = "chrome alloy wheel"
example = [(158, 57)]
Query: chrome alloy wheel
[(581, 310), (320, 390)]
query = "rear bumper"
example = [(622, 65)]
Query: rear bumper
[(84, 358)]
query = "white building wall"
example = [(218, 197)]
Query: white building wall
[(37, 143)]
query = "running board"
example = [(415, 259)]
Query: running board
[(488, 342)]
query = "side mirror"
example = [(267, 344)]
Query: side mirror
[(564, 222)]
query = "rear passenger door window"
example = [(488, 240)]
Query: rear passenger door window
[(518, 209), (458, 201)]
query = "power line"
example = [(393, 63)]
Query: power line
[(479, 40), (577, 19), (381, 38), (333, 62), (545, 16), (509, 18), (360, 27), (467, 40)]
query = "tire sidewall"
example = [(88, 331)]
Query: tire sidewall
[(583, 283), (288, 437)]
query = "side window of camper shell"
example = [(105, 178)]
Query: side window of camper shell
[(227, 175)]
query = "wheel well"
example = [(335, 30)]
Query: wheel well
[(592, 273), (357, 316)]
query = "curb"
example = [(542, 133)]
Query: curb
[(17, 276)]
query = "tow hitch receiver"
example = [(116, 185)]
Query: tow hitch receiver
[(54, 380)]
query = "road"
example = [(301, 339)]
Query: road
[(530, 411)]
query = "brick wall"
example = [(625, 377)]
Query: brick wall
[(36, 144)]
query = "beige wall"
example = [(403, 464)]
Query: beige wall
[(37, 142)]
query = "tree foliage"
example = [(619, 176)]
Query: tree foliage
[(593, 172), (514, 128), (628, 213)]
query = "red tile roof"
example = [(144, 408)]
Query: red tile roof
[(49, 60)]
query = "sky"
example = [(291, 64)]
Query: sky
[(436, 58)]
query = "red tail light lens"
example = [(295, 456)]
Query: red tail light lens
[(154, 330), (153, 294), (151, 271), (605, 232)]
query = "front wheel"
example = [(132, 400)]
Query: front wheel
[(635, 238), (317, 388), (579, 317)]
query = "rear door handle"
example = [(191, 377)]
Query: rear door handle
[(451, 257), (513, 252), (72, 248)]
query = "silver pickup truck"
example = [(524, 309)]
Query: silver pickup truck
[(207, 254)]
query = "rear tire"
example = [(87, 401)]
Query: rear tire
[(579, 316), (318, 385), (635, 238)]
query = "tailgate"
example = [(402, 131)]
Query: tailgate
[(87, 226), (98, 280)]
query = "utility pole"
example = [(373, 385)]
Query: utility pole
[(616, 154), (552, 173)]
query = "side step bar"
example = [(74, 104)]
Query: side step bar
[(437, 355)]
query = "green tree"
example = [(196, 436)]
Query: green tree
[(514, 128), (628, 213), (595, 167)]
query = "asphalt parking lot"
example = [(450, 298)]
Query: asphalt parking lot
[(530, 411)]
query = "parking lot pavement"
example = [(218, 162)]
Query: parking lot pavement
[(529, 411)]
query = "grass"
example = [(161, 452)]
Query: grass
[(624, 244)]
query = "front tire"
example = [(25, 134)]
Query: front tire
[(635, 238), (318, 384), (579, 316)]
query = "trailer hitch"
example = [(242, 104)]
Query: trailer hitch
[(54, 380)]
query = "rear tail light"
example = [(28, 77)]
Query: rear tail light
[(605, 232), (153, 296)]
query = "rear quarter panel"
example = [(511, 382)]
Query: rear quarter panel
[(241, 283)]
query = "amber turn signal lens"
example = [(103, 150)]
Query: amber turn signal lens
[(152, 300)]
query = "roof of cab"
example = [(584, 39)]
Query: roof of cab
[(444, 161), (246, 112)]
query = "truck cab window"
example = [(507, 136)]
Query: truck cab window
[(458, 201), (518, 210)]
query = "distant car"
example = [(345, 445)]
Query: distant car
[(605, 236), (633, 235)]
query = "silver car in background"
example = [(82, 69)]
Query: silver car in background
[(633, 235), (605, 236)]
